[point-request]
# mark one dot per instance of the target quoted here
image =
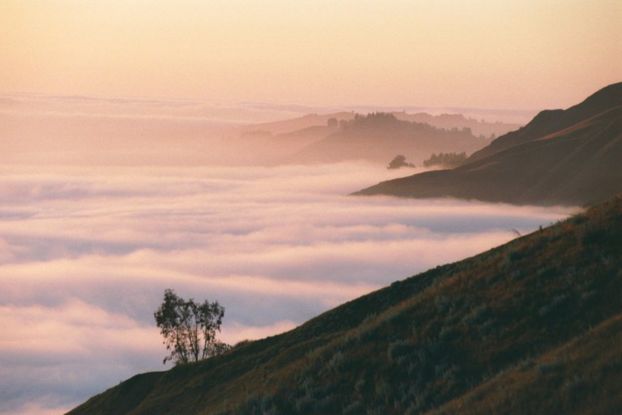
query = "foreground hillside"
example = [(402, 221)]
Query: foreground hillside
[(561, 157), (531, 326)]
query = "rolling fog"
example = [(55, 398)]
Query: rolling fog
[(106, 203), (87, 252)]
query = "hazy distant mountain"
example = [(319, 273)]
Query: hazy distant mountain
[(534, 326), (263, 147), (378, 137), (445, 121), (296, 124), (568, 156), (448, 121), (317, 138), (492, 115)]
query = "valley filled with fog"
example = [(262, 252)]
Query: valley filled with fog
[(108, 202), (86, 253), (304, 164)]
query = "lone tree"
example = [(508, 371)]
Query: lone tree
[(398, 162), (189, 329)]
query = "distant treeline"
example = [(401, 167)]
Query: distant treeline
[(446, 159), (389, 120)]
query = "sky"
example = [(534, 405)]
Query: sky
[(86, 253), (522, 54)]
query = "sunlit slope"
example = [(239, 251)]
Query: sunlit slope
[(560, 157), (536, 306)]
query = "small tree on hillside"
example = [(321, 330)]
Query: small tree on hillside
[(189, 329)]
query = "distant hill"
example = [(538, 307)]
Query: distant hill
[(449, 121), (378, 137), (533, 326), (295, 124), (318, 138), (263, 147), (445, 121), (568, 156)]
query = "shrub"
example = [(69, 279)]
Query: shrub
[(397, 350)]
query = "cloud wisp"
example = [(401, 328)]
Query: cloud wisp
[(85, 255)]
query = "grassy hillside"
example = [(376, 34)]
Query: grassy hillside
[(582, 376), (561, 157), (538, 316)]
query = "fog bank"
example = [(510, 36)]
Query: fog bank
[(85, 255)]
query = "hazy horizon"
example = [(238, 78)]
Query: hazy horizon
[(270, 111)]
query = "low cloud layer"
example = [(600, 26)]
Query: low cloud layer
[(86, 254)]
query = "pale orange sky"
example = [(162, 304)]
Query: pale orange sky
[(485, 53)]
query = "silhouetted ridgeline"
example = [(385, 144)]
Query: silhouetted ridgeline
[(378, 137), (453, 120), (568, 156), (533, 326)]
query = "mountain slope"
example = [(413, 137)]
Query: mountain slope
[(439, 338), (550, 121), (582, 376), (566, 157)]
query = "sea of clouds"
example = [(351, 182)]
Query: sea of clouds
[(86, 253)]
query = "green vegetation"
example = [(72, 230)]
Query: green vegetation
[(189, 328), (580, 377), (532, 326)]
